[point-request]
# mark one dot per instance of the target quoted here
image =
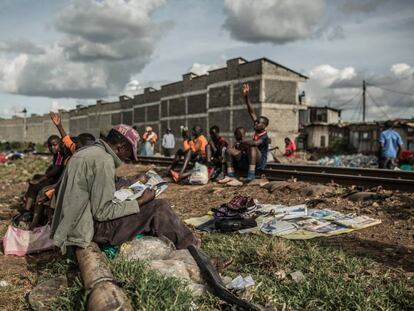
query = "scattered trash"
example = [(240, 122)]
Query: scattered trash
[(4, 283), (297, 276), (353, 160), (161, 255), (281, 274), (146, 248), (241, 283)]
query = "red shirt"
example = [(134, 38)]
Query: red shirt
[(290, 149)]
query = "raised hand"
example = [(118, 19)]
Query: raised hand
[(245, 89), (56, 119)]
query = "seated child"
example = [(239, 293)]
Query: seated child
[(258, 146), (290, 148), (195, 151), (70, 145), (51, 175), (216, 148)]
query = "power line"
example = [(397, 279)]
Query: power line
[(356, 111), (379, 106), (348, 101)]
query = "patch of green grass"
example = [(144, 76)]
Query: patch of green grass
[(334, 280), (147, 289), (74, 298)]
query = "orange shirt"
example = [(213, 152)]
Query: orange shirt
[(199, 144), (69, 144), (186, 145)]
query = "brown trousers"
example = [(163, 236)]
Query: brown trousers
[(155, 218)]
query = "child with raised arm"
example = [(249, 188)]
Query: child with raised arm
[(258, 146), (71, 143)]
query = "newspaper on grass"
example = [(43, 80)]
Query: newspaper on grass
[(136, 190)]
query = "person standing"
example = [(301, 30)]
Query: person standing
[(149, 139), (391, 144), (168, 143)]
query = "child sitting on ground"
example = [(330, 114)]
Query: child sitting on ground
[(258, 146), (51, 175), (71, 144), (216, 149), (196, 152)]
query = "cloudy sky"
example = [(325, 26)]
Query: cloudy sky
[(57, 54)]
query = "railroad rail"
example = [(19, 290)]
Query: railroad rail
[(363, 177)]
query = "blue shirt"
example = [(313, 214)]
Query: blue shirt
[(263, 148), (390, 140)]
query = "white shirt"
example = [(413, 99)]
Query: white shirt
[(168, 141)]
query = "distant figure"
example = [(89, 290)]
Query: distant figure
[(390, 146), (290, 148), (194, 151), (149, 139), (216, 151), (168, 143)]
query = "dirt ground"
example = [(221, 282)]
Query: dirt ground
[(391, 243)]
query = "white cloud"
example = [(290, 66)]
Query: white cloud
[(201, 69), (387, 96), (57, 105), (402, 70), (276, 21), (103, 44)]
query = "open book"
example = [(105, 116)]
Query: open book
[(133, 192)]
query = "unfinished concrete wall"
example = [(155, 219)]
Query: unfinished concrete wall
[(211, 99)]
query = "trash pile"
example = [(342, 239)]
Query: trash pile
[(353, 160), (298, 222)]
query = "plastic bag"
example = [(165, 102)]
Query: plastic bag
[(20, 242), (199, 175)]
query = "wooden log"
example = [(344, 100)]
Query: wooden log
[(104, 294)]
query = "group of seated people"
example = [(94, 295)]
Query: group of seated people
[(245, 156), (78, 187)]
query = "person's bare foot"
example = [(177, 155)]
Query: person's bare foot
[(175, 176), (225, 180), (235, 183)]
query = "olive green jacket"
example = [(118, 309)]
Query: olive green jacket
[(86, 194)]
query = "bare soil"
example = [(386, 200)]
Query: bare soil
[(391, 243)]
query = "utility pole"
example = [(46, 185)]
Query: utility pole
[(24, 111), (363, 100)]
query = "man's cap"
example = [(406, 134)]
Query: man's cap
[(131, 135)]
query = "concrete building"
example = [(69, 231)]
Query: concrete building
[(207, 100), (364, 136), (320, 128)]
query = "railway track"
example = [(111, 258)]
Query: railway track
[(363, 177)]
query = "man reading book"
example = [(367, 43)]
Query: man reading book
[(86, 209)]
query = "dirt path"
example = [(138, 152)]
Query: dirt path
[(390, 243)]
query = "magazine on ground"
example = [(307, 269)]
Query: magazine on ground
[(276, 227), (358, 222), (320, 226), (286, 212), (133, 192)]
